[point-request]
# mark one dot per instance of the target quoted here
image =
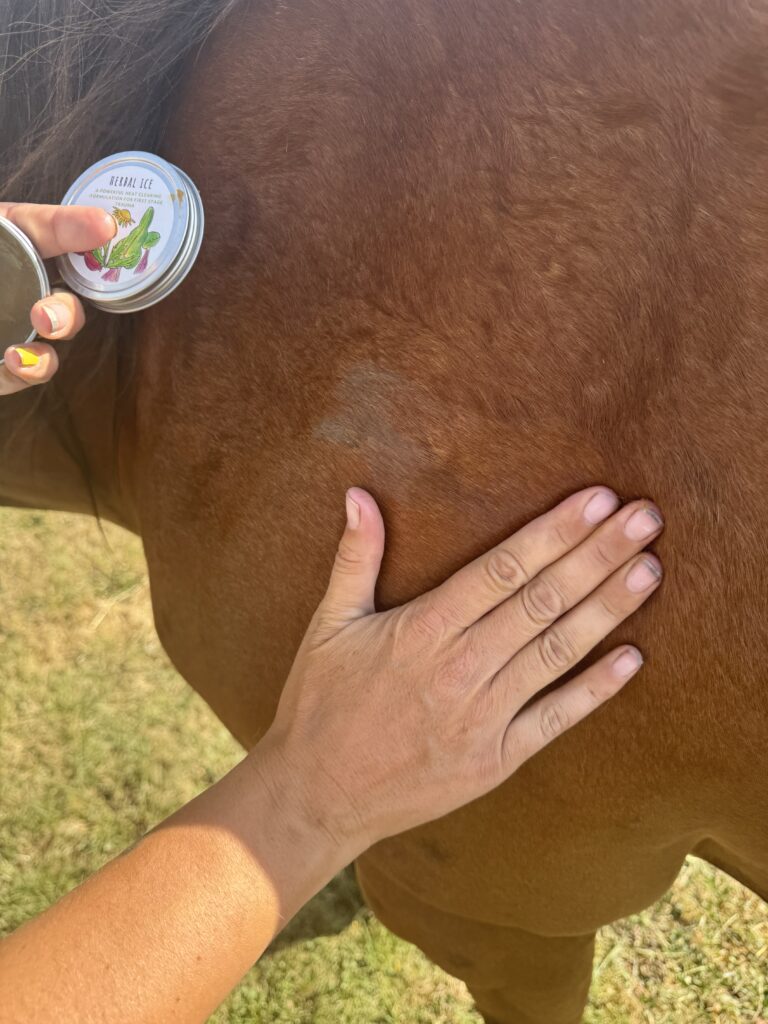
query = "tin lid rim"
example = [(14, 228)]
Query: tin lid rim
[(36, 260), (129, 289), (179, 268)]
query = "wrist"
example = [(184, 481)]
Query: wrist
[(296, 824), (307, 800)]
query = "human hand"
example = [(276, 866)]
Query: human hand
[(53, 230), (392, 719)]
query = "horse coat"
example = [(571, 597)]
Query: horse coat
[(485, 254)]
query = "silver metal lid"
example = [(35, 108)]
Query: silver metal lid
[(160, 229), (23, 281)]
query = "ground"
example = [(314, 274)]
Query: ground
[(99, 739)]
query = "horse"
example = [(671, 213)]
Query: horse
[(472, 256)]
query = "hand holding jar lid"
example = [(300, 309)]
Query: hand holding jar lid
[(28, 306), (127, 233)]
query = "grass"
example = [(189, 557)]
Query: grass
[(100, 739)]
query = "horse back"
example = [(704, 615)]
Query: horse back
[(474, 257)]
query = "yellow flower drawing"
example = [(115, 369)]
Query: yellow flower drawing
[(123, 217)]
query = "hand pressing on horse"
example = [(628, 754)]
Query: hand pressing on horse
[(387, 720), (54, 230), (395, 718)]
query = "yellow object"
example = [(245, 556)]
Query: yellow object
[(123, 217), (28, 358)]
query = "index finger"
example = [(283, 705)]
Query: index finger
[(55, 230), (498, 574)]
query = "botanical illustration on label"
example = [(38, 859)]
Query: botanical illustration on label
[(128, 253), (143, 207)]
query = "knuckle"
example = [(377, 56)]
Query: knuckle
[(428, 622), (459, 667), (505, 570), (561, 536), (553, 721), (542, 602), (599, 688), (602, 555), (556, 651), (60, 228), (449, 612), (348, 559), (608, 607), (465, 722), (12, 214), (456, 672)]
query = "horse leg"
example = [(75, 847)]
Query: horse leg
[(751, 872), (514, 976)]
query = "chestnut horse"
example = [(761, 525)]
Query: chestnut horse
[(473, 256)]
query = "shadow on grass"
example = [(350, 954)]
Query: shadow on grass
[(328, 913)]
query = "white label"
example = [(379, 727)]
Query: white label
[(144, 209)]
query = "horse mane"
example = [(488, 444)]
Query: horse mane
[(79, 81)]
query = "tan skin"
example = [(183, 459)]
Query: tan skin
[(387, 720), (54, 230)]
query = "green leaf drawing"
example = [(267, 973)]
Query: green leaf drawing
[(153, 237), (127, 252)]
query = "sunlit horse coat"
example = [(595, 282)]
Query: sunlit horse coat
[(472, 254)]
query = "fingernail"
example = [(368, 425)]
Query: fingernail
[(56, 313), (643, 523), (109, 219), (27, 357), (643, 575), (627, 663), (353, 513), (600, 506)]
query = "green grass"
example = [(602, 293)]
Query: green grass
[(100, 739)]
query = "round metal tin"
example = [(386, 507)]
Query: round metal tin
[(160, 229), (23, 281)]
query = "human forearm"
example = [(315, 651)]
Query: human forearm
[(386, 721), (188, 910)]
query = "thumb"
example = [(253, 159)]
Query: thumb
[(356, 567)]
